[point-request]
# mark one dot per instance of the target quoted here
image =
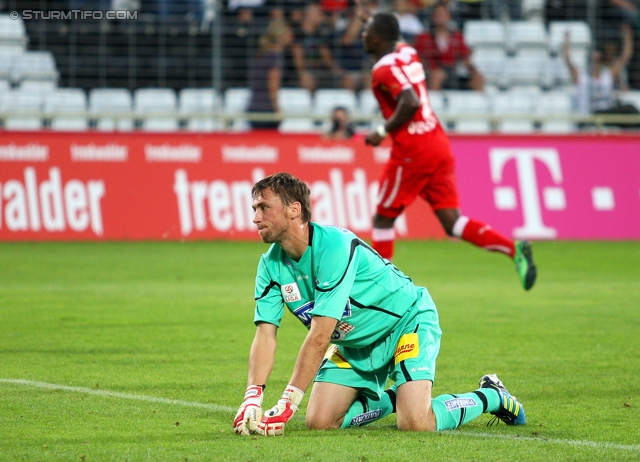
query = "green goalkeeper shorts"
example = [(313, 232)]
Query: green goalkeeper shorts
[(408, 353)]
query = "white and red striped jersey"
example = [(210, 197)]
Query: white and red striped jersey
[(392, 74)]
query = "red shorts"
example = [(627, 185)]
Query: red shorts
[(430, 175)]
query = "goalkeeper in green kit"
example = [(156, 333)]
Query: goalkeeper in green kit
[(367, 323)]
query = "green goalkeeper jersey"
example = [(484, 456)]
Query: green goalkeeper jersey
[(338, 276)]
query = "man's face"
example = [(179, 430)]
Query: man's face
[(271, 216), (441, 16), (368, 37)]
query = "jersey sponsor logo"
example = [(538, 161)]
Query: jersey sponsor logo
[(302, 313), (365, 418), (419, 127), (291, 293), (457, 403), (408, 347)]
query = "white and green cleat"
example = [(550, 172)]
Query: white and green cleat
[(524, 264)]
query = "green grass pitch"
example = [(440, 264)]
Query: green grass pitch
[(138, 351)]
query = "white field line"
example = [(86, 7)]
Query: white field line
[(219, 408), (116, 394)]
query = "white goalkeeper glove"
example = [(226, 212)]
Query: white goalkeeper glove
[(274, 420), (250, 412)]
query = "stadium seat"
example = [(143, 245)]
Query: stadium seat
[(553, 103), (193, 101), (436, 98), (297, 126), (481, 33), (13, 32), (511, 103), (515, 126), (236, 101), (295, 101), (527, 34), (112, 108), (325, 100), (579, 34), (34, 65), (61, 104), (631, 97), (367, 103), (557, 127), (528, 67), (466, 102), (147, 102), (491, 63), (472, 126), (38, 86), (6, 62), (20, 110)]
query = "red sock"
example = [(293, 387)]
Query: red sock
[(482, 235), (382, 242)]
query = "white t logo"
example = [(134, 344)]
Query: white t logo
[(505, 196)]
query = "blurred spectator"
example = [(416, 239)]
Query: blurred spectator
[(266, 69), (239, 42), (350, 56), (445, 55), (341, 127), (410, 24), (311, 52), (595, 86)]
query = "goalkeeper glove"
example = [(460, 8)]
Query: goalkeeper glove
[(250, 412), (274, 419)]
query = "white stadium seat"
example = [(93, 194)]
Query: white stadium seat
[(367, 103), (527, 34), (491, 64), (325, 100), (511, 103), (472, 126), (12, 31), (66, 101), (20, 110), (112, 107), (236, 101), (200, 100), (515, 126), (147, 102), (295, 101), (529, 66), (579, 34), (481, 33), (34, 65)]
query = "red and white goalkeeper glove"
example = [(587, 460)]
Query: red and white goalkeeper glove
[(274, 419), (250, 412)]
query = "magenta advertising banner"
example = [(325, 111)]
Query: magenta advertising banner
[(585, 187)]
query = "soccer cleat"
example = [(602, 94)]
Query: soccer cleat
[(524, 264), (511, 411)]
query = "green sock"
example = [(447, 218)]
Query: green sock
[(364, 410), (454, 410)]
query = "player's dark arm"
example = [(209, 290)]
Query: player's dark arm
[(262, 355), (408, 104), (312, 351)]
